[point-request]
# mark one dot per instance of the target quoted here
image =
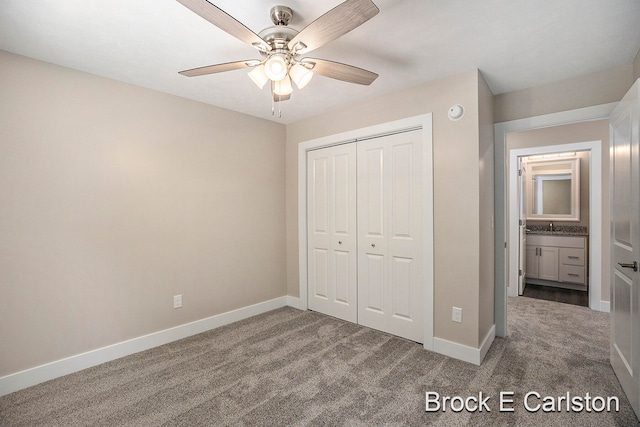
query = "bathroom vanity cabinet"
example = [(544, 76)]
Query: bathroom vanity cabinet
[(557, 260)]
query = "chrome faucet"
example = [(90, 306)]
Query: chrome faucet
[(551, 226)]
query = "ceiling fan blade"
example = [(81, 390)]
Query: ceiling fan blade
[(219, 68), (225, 22), (339, 71), (333, 24)]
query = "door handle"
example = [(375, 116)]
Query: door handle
[(633, 265)]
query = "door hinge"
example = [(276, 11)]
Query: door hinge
[(520, 222), (519, 172), (519, 272)]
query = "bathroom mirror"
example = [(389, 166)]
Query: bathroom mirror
[(553, 190)]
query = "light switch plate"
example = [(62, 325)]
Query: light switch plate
[(177, 301), (456, 314)]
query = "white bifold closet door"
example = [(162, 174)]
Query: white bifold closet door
[(390, 258), (331, 210), (365, 257)]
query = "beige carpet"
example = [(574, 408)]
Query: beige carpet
[(289, 367)]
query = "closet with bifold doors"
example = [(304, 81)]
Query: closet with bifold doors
[(365, 260)]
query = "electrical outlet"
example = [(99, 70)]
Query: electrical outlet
[(456, 314), (177, 301)]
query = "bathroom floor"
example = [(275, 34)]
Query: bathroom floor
[(550, 293)]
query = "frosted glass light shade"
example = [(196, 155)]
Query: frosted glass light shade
[(301, 75), (258, 76), (276, 67), (283, 87)]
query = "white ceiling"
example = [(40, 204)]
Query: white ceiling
[(515, 43)]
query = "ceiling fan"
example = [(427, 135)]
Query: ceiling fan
[(282, 47)]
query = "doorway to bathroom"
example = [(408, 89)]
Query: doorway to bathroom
[(565, 254), (553, 216)]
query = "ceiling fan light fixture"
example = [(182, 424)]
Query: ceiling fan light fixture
[(301, 75), (258, 76), (283, 86), (276, 67)]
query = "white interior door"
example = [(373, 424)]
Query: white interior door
[(332, 236), (522, 215), (390, 270), (625, 250)]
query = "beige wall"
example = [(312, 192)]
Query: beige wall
[(456, 189), (597, 88), (486, 219), (114, 198), (597, 130), (636, 67)]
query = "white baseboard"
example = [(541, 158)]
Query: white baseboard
[(605, 306), (49, 371), (295, 302), (486, 343), (464, 352)]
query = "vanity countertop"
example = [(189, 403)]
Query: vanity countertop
[(559, 230), (558, 233)]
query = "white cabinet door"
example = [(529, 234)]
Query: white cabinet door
[(625, 244), (532, 262), (332, 235), (548, 263), (542, 262), (390, 264)]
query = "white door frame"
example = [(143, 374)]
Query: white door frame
[(423, 122), (595, 214), (500, 143)]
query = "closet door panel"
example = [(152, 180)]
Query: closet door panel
[(401, 291), (319, 228), (373, 297), (331, 211), (389, 181), (320, 273), (343, 277), (401, 195), (373, 302), (405, 240)]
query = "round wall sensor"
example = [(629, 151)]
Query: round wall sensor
[(456, 112)]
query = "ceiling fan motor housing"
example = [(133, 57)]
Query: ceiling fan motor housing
[(279, 35), (281, 15)]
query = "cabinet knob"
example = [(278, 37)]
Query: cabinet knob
[(339, 242), (373, 245)]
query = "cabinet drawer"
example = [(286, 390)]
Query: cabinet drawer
[(572, 274), (572, 256)]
